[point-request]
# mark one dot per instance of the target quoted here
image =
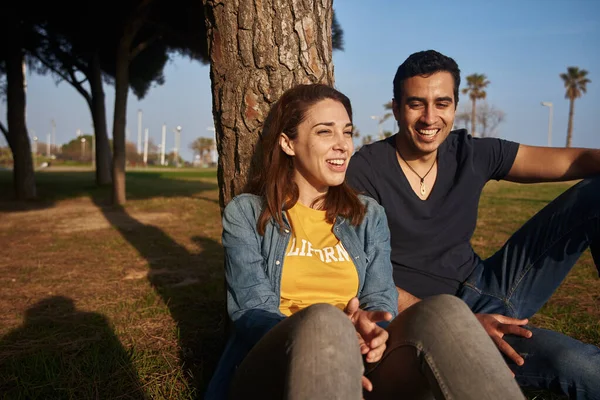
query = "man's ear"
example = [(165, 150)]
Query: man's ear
[(396, 109), (286, 145)]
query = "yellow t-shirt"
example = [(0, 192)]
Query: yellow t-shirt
[(316, 267)]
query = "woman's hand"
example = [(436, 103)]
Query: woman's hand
[(371, 337), (366, 384)]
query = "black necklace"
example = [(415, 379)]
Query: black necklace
[(422, 178)]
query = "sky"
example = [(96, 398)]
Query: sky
[(521, 46)]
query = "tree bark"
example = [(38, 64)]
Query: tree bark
[(98, 108), (4, 131), (123, 60), (258, 49), (18, 139), (473, 118), (570, 127), (120, 120)]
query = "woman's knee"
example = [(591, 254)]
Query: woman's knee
[(325, 319), (323, 311)]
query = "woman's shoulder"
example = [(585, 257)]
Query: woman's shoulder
[(246, 200), (374, 213), (371, 205), (244, 203)]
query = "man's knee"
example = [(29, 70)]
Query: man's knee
[(441, 313), (587, 193), (446, 305)]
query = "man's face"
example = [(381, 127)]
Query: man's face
[(425, 113)]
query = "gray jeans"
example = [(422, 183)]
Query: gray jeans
[(437, 348)]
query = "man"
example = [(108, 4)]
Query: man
[(429, 180)]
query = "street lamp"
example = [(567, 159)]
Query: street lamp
[(35, 139), (82, 148), (214, 156), (162, 144), (48, 144), (177, 140), (139, 141), (549, 105), (53, 143), (145, 156)]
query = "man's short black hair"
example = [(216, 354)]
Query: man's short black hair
[(426, 63)]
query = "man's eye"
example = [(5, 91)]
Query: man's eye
[(323, 132), (349, 133)]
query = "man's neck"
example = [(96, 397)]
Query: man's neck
[(409, 154)]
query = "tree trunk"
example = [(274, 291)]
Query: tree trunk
[(570, 127), (4, 131), (258, 49), (120, 120), (98, 108), (473, 119), (18, 139)]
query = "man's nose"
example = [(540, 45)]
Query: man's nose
[(429, 115)]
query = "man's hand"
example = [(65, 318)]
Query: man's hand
[(372, 338), (497, 326)]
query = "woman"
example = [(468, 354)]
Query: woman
[(310, 288)]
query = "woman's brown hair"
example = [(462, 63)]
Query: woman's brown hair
[(274, 182)]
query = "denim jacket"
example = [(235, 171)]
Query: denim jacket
[(253, 267)]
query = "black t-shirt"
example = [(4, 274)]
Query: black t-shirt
[(431, 249)]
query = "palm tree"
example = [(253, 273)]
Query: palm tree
[(476, 84), (203, 146), (575, 82), (388, 113)]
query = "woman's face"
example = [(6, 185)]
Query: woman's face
[(322, 149)]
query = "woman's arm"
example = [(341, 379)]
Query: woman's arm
[(379, 291), (252, 304)]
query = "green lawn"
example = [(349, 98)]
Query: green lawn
[(105, 302)]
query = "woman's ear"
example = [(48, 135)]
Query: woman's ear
[(286, 145)]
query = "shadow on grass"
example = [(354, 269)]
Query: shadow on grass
[(190, 284), (63, 353), (53, 186)]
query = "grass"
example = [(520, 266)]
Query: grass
[(128, 303)]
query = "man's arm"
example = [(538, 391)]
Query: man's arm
[(405, 299), (548, 164)]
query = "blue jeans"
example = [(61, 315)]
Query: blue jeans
[(519, 279)]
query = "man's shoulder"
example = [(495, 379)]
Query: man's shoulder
[(376, 149), (461, 140), (457, 137), (462, 136)]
